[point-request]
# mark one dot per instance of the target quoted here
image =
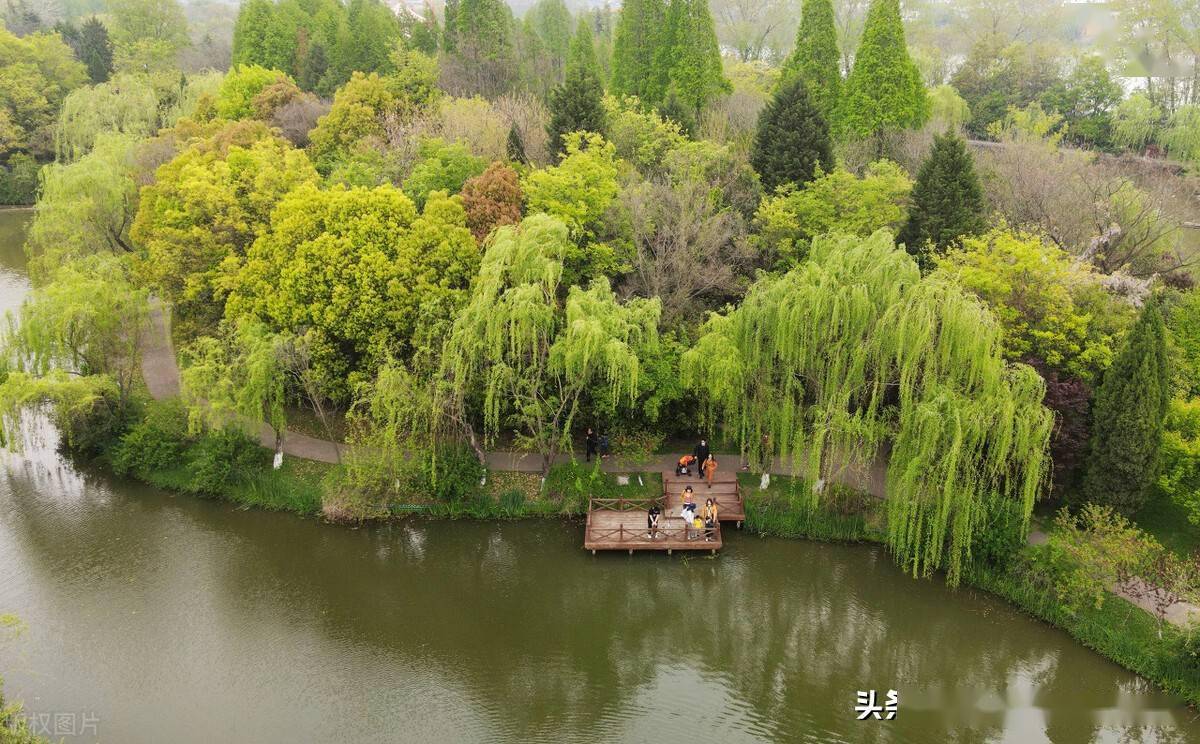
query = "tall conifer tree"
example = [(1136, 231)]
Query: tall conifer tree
[(884, 91), (635, 63), (946, 202), (816, 59), (1128, 415), (577, 104), (690, 56), (792, 138)]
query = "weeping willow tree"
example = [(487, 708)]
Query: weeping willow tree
[(854, 352), (529, 354), (75, 346), (239, 379)]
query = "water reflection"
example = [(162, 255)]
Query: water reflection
[(159, 611)]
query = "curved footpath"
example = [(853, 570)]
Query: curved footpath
[(161, 372)]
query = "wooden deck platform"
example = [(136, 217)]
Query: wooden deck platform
[(620, 524), (725, 490)]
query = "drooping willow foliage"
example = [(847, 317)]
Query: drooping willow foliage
[(531, 351), (853, 353)]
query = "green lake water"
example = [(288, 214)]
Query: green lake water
[(160, 618)]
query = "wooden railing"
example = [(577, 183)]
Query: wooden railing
[(623, 504), (624, 535)]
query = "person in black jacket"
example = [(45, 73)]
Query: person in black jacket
[(701, 453), (591, 444)]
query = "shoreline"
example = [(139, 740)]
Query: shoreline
[(1119, 631)]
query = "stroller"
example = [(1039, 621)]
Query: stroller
[(685, 464)]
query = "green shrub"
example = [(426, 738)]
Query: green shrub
[(154, 443), (19, 180), (1179, 477), (223, 459), (452, 476)]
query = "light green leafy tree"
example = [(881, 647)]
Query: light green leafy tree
[(532, 354), (238, 379), (85, 207), (360, 269), (86, 320), (1048, 304), (837, 202), (579, 191), (207, 205), (36, 74), (235, 97), (852, 350), (443, 167), (147, 34)]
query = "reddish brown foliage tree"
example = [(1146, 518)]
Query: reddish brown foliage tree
[(492, 199), (1069, 398)]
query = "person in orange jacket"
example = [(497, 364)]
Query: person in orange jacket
[(710, 469)]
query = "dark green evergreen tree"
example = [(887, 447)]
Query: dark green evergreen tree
[(792, 138), (96, 50), (516, 146), (1127, 418), (636, 61), (578, 103), (816, 58), (946, 202), (884, 91), (678, 112)]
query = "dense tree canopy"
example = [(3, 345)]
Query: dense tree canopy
[(361, 285)]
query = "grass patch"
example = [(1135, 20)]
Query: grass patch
[(1118, 631), (1168, 522), (844, 515)]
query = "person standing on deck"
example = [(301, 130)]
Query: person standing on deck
[(652, 522), (590, 444), (701, 453), (710, 469)]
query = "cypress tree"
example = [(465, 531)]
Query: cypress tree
[(515, 147), (551, 21), (577, 104), (946, 202), (884, 91), (96, 50), (450, 26), (635, 62), (792, 138), (690, 56), (1128, 415), (816, 58), (582, 54)]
